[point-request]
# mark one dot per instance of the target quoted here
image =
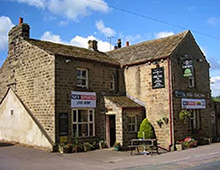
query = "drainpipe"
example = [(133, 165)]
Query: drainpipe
[(170, 105)]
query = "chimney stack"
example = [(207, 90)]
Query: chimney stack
[(127, 43), (119, 43), (20, 21), (92, 45)]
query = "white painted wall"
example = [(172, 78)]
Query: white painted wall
[(19, 126)]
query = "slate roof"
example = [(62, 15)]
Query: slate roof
[(123, 102), (73, 51), (148, 50)]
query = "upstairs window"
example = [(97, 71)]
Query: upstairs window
[(82, 78), (112, 82), (191, 82)]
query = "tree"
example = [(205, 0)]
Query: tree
[(146, 130)]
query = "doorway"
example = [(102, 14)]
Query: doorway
[(112, 130)]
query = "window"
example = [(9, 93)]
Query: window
[(83, 122), (132, 123), (112, 82), (82, 77), (194, 120), (191, 82)]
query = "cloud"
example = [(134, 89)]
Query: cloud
[(107, 31), (212, 21), (215, 85), (49, 36), (76, 41), (163, 34), (6, 25), (215, 65), (83, 42), (72, 9), (36, 3)]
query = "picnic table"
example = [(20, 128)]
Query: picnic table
[(149, 144)]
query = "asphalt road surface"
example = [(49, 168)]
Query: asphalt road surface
[(16, 157)]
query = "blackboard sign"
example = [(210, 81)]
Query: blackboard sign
[(157, 77), (63, 124)]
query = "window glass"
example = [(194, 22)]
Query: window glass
[(132, 123), (91, 130), (83, 130), (82, 78), (83, 116), (83, 122), (74, 115)]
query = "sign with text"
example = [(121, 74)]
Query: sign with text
[(83, 99), (187, 66), (193, 103), (187, 94), (157, 77)]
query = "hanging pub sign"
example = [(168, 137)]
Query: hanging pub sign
[(157, 77), (187, 66), (193, 103), (63, 124), (83, 99)]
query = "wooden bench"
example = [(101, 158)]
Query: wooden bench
[(150, 144)]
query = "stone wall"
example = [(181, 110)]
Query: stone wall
[(127, 136), (138, 81), (99, 77), (189, 48), (30, 72)]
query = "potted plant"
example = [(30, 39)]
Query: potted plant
[(165, 119), (179, 145), (117, 146), (146, 130), (65, 148), (159, 122), (87, 146), (184, 115)]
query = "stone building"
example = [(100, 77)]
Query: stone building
[(50, 93)]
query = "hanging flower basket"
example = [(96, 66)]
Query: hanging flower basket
[(184, 115)]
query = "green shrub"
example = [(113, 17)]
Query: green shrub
[(146, 130)]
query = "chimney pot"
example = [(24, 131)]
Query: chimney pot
[(20, 20), (127, 43), (92, 44), (119, 43)]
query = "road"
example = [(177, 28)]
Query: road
[(16, 157)]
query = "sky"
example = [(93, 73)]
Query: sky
[(75, 22)]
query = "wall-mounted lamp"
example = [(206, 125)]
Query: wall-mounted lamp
[(155, 62), (67, 60), (126, 67), (148, 63), (200, 60), (161, 60)]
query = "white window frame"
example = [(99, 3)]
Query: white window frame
[(82, 78), (112, 82), (88, 123), (191, 82), (132, 123), (195, 119)]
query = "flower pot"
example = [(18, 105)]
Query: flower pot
[(179, 147)]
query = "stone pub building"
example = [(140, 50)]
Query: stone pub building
[(50, 93)]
